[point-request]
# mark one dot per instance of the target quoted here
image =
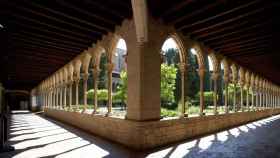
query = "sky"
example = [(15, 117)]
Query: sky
[(169, 43)]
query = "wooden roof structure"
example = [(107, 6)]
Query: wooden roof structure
[(40, 36)]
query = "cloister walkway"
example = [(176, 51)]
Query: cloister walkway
[(34, 135)]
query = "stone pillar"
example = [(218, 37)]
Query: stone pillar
[(253, 102), (183, 108), (70, 95), (201, 73), (215, 77), (85, 80), (56, 97), (110, 67), (247, 97), (77, 80), (266, 99), (95, 82), (65, 95), (241, 96), (226, 80), (257, 98), (61, 95), (234, 97)]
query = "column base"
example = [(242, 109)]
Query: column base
[(183, 115), (202, 114), (6, 148)]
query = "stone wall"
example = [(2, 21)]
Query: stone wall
[(150, 134)]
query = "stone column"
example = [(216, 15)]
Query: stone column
[(201, 73), (183, 108), (77, 80), (110, 67), (215, 77), (61, 95), (226, 80), (70, 95), (234, 97), (85, 80), (241, 96), (65, 95), (266, 99), (57, 97), (253, 102), (261, 99), (95, 82), (247, 97)]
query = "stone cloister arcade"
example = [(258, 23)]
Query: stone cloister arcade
[(63, 95), (143, 68), (56, 91)]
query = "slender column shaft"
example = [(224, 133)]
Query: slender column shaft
[(85, 80), (77, 94), (241, 97), (253, 99), (57, 98), (247, 97), (65, 95), (110, 68), (215, 80), (70, 95), (201, 91), (226, 96), (95, 81), (234, 97), (183, 108), (61, 96)]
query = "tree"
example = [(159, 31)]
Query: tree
[(167, 83)]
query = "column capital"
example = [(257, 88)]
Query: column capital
[(201, 72), (110, 67), (215, 75)]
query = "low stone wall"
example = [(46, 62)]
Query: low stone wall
[(150, 134)]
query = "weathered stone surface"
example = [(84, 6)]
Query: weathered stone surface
[(149, 134)]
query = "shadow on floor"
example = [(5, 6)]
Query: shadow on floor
[(36, 136)]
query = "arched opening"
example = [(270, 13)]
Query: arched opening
[(221, 89), (102, 92), (193, 82), (90, 86), (170, 83), (209, 84), (119, 79)]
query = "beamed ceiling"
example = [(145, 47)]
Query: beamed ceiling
[(40, 36)]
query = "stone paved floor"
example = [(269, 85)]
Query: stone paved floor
[(35, 136)]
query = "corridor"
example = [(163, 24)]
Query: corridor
[(34, 135)]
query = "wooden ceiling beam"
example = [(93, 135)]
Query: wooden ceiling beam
[(45, 47), (66, 31), (34, 36), (177, 7), (61, 21), (48, 31), (218, 15), (83, 11), (237, 38), (70, 17), (194, 13), (246, 48), (46, 43), (263, 38), (218, 37), (257, 43)]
